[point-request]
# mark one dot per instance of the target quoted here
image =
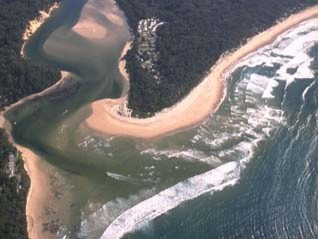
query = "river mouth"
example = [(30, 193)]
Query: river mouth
[(94, 179), (82, 169)]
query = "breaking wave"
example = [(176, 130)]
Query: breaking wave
[(262, 89)]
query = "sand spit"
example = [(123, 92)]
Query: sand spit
[(53, 88), (198, 105)]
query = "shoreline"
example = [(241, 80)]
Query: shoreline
[(122, 67), (38, 180), (34, 24), (202, 101), (38, 192), (31, 161), (106, 120), (59, 84)]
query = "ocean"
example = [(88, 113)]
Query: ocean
[(248, 171)]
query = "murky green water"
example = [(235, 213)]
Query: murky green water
[(94, 179), (77, 161)]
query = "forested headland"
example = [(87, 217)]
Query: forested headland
[(18, 78), (193, 36)]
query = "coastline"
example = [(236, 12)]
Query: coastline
[(34, 24), (39, 183), (194, 108), (122, 68), (58, 85), (38, 192), (31, 160)]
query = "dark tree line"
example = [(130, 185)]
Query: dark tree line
[(13, 193), (194, 36), (18, 78)]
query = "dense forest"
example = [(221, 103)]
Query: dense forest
[(14, 185), (18, 78), (194, 35)]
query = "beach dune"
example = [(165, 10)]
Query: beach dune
[(202, 101)]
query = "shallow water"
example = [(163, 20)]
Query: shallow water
[(262, 142)]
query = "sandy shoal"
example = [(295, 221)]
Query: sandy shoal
[(197, 106), (90, 28)]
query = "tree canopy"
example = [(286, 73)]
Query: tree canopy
[(194, 35)]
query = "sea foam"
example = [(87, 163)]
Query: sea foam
[(234, 139)]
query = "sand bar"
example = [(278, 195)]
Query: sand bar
[(92, 28), (198, 105), (89, 28)]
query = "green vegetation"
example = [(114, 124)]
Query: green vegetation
[(13, 191), (18, 78), (194, 35)]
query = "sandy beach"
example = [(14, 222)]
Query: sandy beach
[(2, 121), (34, 24), (39, 190), (38, 194), (197, 106), (122, 69)]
